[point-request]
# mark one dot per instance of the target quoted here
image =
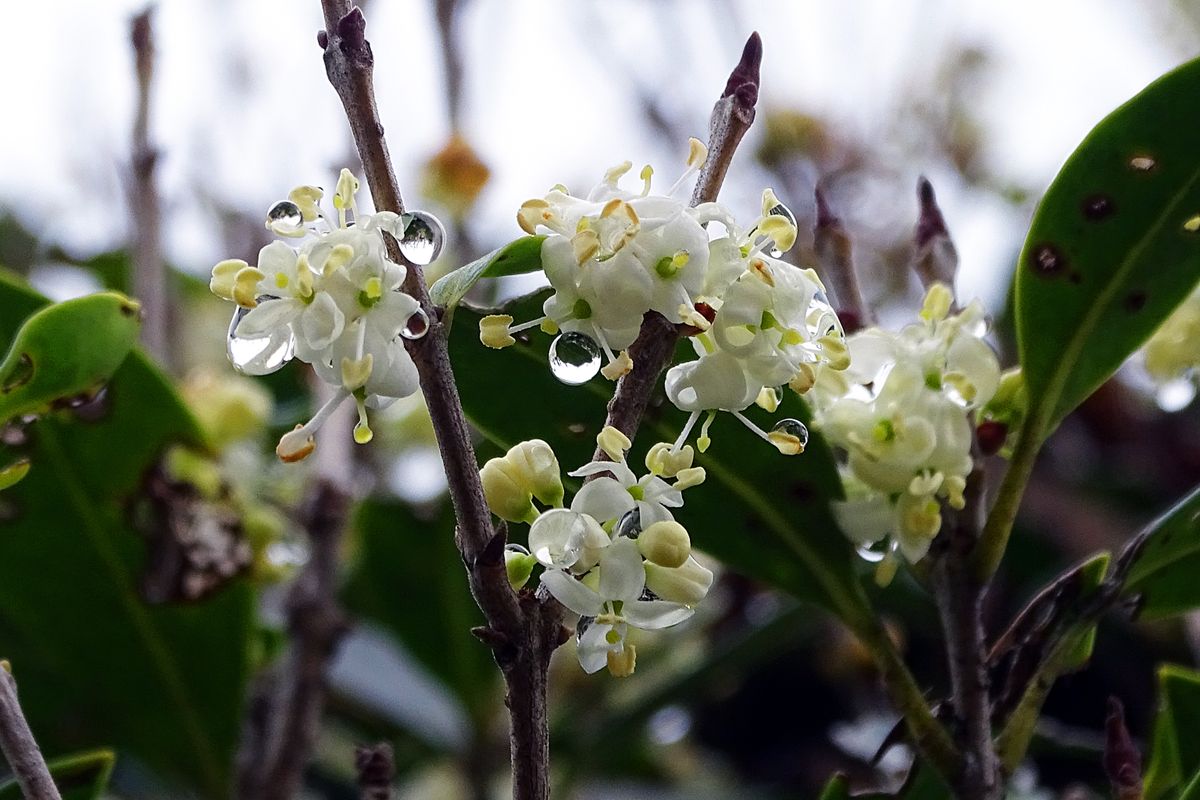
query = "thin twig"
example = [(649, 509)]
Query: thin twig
[(149, 270), (936, 258), (18, 745), (834, 254), (651, 352), (523, 631), (316, 625)]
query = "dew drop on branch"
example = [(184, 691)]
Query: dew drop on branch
[(424, 237), (416, 326)]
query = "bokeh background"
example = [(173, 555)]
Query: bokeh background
[(488, 103)]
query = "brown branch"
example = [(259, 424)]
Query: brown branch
[(18, 745), (651, 352), (936, 258), (376, 767), (835, 258), (149, 270), (316, 625), (522, 631)]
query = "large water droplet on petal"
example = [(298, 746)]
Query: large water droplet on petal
[(867, 553), (792, 427), (257, 356), (284, 214), (582, 626), (821, 319), (629, 525), (424, 237), (1175, 395), (416, 326), (574, 358)]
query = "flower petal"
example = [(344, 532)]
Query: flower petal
[(572, 593)]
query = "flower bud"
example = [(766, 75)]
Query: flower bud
[(613, 442), (687, 584), (223, 275), (665, 543), (295, 445), (938, 301), (519, 564), (506, 495), (534, 464)]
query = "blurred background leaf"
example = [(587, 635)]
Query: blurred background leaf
[(82, 776)]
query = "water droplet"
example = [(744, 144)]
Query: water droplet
[(256, 356), (792, 427), (870, 555), (1142, 163), (1192, 224), (1175, 395), (424, 236), (513, 547), (1098, 206), (781, 210), (1047, 260), (574, 358), (416, 326), (629, 525), (284, 214), (581, 627)]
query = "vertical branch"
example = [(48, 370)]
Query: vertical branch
[(958, 593), (835, 257), (655, 345), (315, 624), (18, 745), (523, 631), (149, 271)]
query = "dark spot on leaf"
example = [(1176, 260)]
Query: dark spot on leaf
[(1075, 277), (1098, 206), (8, 510), (1047, 260), (802, 491), (1135, 301), (1164, 537)]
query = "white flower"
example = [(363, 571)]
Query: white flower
[(565, 539), (613, 598)]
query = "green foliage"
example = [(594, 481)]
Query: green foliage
[(764, 514), (407, 577), (1163, 573), (838, 788), (1175, 749), (1114, 246), (64, 350), (515, 258), (95, 662), (82, 776)]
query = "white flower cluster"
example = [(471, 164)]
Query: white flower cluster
[(903, 412), (756, 323), (334, 302), (616, 557)]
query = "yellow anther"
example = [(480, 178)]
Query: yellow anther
[(373, 288), (549, 327), (339, 257), (687, 478), (223, 276), (661, 461), (885, 572), (780, 230), (615, 173), (621, 366), (585, 245), (306, 199), (836, 353), (610, 207), (688, 315), (786, 443), (768, 399), (646, 174), (938, 301), (769, 202), (494, 333), (304, 276), (954, 486), (623, 662), (697, 153), (760, 269), (613, 442), (925, 484), (295, 445), (804, 379), (245, 286), (531, 214)]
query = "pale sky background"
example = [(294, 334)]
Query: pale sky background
[(243, 111)]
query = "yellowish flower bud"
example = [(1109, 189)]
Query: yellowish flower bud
[(356, 372), (534, 464), (687, 584), (519, 566), (613, 442), (661, 461), (347, 186), (506, 495), (938, 301), (223, 276), (665, 543)]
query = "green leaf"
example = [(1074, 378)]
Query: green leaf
[(408, 578), (1192, 790), (1175, 748), (82, 776), (1163, 573), (66, 349), (1112, 249), (762, 513), (838, 788), (515, 258), (96, 663)]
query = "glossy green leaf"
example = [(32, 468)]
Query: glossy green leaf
[(1114, 246), (1192, 790), (838, 788), (515, 258), (1175, 748), (408, 578), (66, 349), (82, 776), (762, 513), (1163, 573), (95, 663)]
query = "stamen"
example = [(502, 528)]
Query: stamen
[(683, 434), (704, 441), (524, 326), (759, 432), (362, 429), (603, 343), (647, 173)]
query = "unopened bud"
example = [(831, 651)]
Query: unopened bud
[(687, 584), (507, 496), (665, 543), (518, 564), (534, 464)]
